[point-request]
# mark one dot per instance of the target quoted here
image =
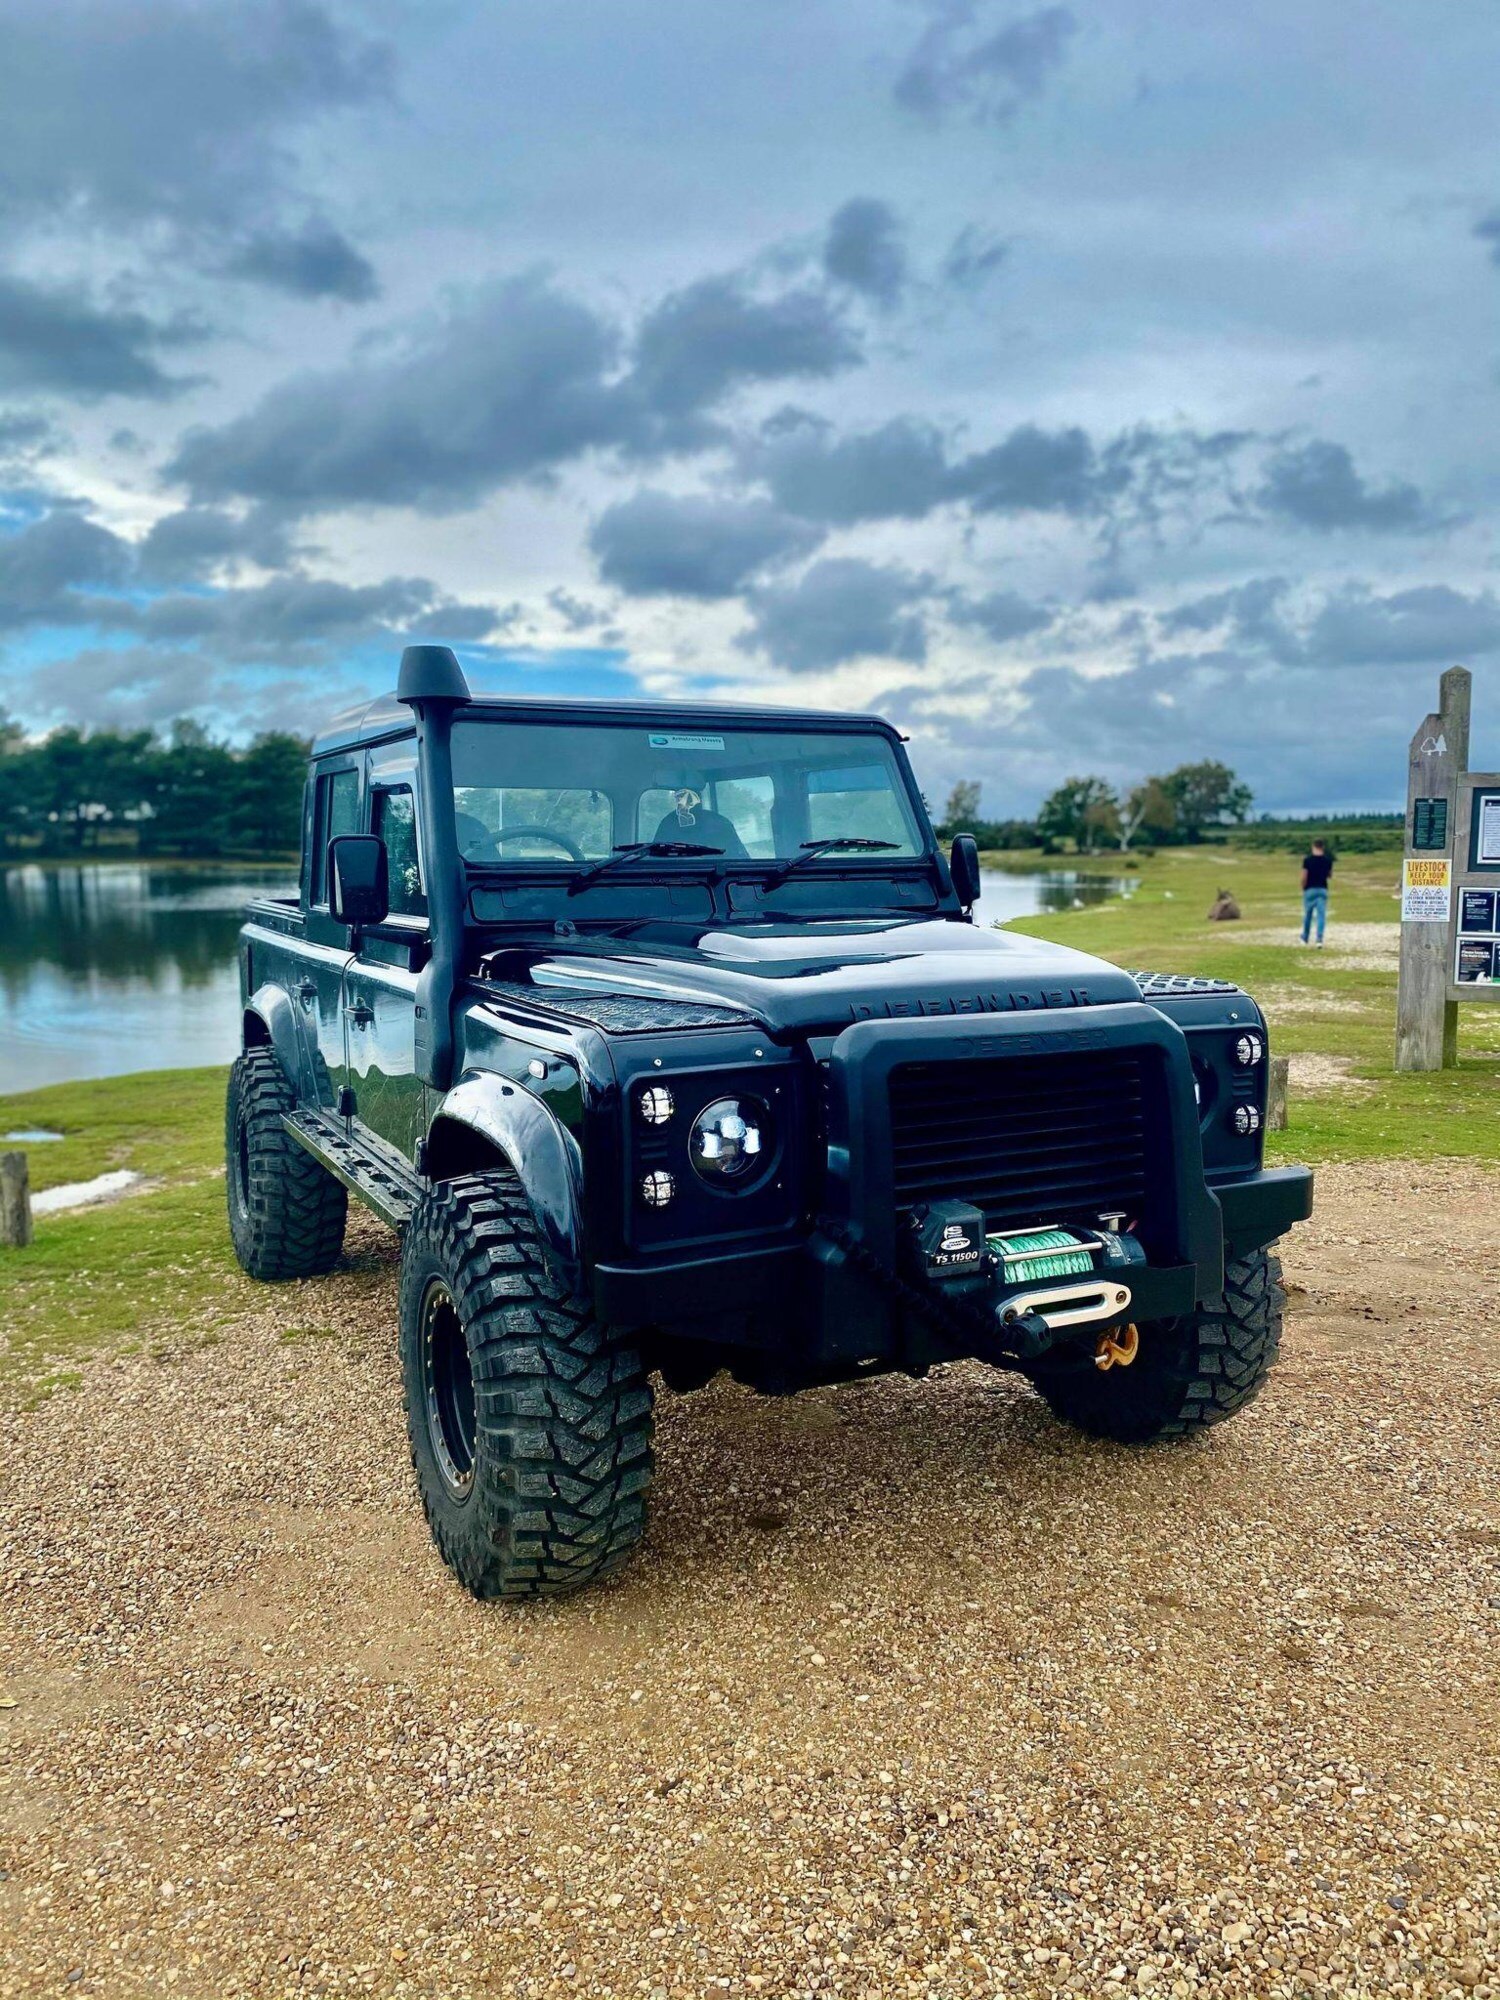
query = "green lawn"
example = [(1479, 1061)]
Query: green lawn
[(1338, 1003), (138, 1272)]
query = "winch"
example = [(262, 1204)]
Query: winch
[(1039, 1281)]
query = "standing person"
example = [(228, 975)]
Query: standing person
[(1316, 869)]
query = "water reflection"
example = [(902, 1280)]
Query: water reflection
[(109, 967)]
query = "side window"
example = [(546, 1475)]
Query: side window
[(337, 812), (395, 821)]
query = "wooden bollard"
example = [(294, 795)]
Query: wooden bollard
[(1281, 1067), (15, 1202)]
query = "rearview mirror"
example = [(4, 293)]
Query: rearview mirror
[(964, 868), (358, 880)]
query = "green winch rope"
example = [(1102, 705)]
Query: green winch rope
[(1028, 1254)]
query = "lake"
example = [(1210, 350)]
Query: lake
[(111, 967)]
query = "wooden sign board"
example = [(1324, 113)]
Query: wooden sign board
[(1427, 986), (1474, 943)]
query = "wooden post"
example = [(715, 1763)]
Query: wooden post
[(1426, 1019), (15, 1202), (1281, 1069)]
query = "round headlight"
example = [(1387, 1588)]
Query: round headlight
[(655, 1103), (731, 1142), (1248, 1051)]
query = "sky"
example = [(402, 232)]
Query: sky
[(1087, 387)]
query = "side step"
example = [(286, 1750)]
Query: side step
[(379, 1176)]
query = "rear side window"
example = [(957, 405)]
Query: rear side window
[(396, 823), (336, 812)]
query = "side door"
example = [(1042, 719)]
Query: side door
[(334, 807), (380, 984)]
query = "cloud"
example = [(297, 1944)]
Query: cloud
[(294, 616), (1035, 471), (192, 543), (693, 545), (974, 256), (508, 383), (45, 566), (1317, 486), (176, 110), (313, 262), (956, 66), (898, 471), (52, 338), (864, 250), (1431, 624), (1251, 612), (715, 335), (1487, 229), (842, 608), (1001, 615)]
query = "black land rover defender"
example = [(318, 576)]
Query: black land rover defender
[(667, 1040)]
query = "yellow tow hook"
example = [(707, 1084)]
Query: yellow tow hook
[(1117, 1350)]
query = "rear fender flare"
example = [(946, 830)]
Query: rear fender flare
[(544, 1155), (270, 1018)]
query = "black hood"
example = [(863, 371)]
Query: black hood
[(817, 978)]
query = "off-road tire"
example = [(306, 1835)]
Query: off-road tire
[(1189, 1372), (286, 1212), (559, 1407)]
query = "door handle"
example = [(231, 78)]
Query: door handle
[(360, 1014), (307, 992)]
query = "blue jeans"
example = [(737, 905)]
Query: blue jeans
[(1314, 910)]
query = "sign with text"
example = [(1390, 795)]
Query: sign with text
[(1426, 891), (1429, 825)]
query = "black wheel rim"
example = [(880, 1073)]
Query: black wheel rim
[(448, 1378)]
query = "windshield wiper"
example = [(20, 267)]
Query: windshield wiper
[(632, 850), (846, 843)]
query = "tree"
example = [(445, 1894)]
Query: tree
[(1205, 795), (267, 813), (962, 808), (1147, 809), (1082, 810)]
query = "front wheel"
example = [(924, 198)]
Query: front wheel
[(1189, 1372), (530, 1423)]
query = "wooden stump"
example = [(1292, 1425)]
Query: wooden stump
[(15, 1202), (1281, 1068)]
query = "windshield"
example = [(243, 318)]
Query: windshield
[(534, 792)]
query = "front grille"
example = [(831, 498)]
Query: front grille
[(1034, 1139)]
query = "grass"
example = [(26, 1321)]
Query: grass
[(1315, 1001), (137, 1272), (142, 1272)]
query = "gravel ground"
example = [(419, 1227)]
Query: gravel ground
[(912, 1692)]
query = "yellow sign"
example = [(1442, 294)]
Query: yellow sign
[(1426, 891)]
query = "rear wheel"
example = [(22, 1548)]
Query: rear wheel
[(286, 1212), (1188, 1373), (530, 1423)]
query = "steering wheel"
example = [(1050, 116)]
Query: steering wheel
[(569, 847)]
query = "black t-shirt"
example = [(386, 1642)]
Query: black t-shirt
[(1319, 867)]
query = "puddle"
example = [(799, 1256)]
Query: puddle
[(79, 1194), (28, 1138)]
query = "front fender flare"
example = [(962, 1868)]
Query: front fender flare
[(544, 1154)]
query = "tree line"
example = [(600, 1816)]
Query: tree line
[(1180, 808), (79, 793)]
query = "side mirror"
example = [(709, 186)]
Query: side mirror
[(358, 880), (963, 865)]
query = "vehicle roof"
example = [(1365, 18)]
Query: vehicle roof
[(370, 721)]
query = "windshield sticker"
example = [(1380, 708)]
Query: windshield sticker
[(686, 742)]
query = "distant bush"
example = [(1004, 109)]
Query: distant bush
[(1344, 833)]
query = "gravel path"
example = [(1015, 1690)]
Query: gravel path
[(912, 1692)]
